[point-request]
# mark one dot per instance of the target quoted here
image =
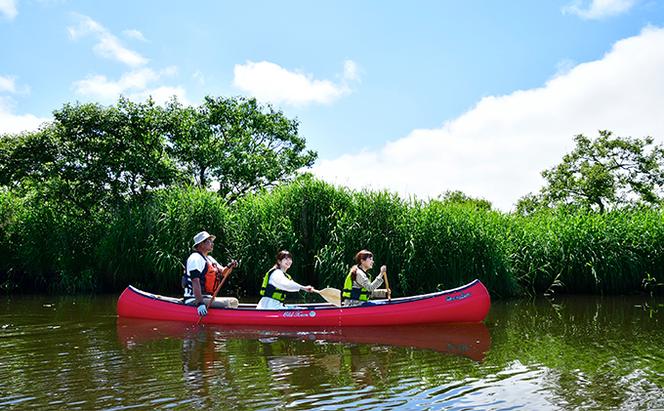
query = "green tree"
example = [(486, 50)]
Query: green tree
[(92, 155), (237, 144), (605, 173), (459, 197)]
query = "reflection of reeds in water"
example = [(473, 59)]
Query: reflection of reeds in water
[(331, 363)]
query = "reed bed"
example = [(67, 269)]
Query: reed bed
[(586, 252), (426, 245)]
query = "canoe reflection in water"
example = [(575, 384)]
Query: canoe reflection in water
[(468, 340)]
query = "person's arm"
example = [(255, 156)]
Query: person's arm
[(361, 279), (196, 286), (280, 281)]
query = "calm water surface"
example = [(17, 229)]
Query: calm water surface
[(567, 353)]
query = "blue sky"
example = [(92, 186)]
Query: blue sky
[(415, 97)]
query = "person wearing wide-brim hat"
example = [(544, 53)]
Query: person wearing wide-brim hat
[(202, 272)]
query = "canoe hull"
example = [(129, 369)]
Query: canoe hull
[(467, 304)]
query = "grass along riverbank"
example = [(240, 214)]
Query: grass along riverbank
[(426, 246)]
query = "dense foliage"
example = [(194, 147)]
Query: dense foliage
[(601, 174), (105, 196), (236, 144), (426, 246), (92, 156)]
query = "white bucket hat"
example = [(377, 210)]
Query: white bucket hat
[(202, 236)]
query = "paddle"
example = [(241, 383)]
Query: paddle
[(225, 273), (331, 295), (387, 285)]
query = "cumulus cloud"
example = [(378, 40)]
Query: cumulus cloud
[(108, 45), (272, 83), (139, 83), (7, 84), (599, 9), (136, 85), (10, 122), (351, 71), (498, 148), (8, 8), (134, 34)]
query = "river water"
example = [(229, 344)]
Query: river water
[(567, 353)]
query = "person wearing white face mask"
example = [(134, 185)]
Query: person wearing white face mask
[(202, 275), (277, 283)]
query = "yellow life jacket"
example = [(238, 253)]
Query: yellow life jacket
[(268, 290), (353, 293)]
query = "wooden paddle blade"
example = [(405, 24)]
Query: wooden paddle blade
[(331, 295)]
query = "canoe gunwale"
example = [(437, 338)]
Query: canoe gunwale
[(309, 306)]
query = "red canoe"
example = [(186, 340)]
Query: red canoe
[(467, 304)]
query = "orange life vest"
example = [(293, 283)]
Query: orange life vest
[(212, 277)]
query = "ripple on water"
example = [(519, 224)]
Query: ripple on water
[(536, 361)]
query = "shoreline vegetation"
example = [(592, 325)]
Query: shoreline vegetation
[(46, 246), (105, 196)]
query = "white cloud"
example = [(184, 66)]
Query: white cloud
[(7, 84), (9, 121), (351, 71), (134, 34), (16, 123), (107, 46), (135, 85), (599, 9), (100, 87), (199, 77), (272, 83), (497, 149), (8, 8)]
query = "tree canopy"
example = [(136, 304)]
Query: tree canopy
[(459, 197), (236, 144), (91, 155), (96, 156), (603, 173)]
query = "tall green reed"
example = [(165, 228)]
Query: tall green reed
[(147, 244), (44, 247), (426, 245), (584, 252)]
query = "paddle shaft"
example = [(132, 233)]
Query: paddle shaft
[(387, 285), (224, 274)]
